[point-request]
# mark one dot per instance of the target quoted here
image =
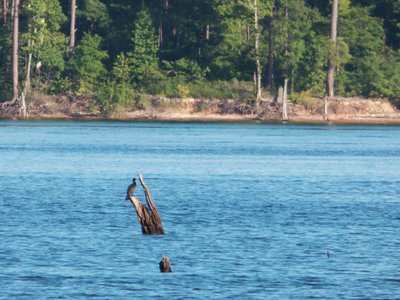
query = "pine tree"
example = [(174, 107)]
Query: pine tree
[(87, 65), (143, 58)]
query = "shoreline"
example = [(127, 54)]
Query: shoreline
[(213, 118), (342, 111)]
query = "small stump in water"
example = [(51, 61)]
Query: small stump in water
[(165, 265), (149, 218)]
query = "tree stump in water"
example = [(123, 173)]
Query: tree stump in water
[(149, 217), (165, 265)]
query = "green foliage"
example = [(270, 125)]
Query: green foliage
[(203, 46), (5, 62), (143, 58), (86, 64), (313, 65), (305, 98), (186, 70), (122, 69), (234, 89), (44, 40), (338, 53), (293, 26), (112, 94), (363, 35), (94, 15), (60, 85)]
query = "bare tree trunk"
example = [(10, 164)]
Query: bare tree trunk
[(285, 102), (270, 55), (27, 85), (279, 97), (72, 29), (257, 54), (5, 10), (330, 78), (326, 118), (149, 217), (160, 34), (15, 49)]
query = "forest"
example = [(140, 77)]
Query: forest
[(113, 51)]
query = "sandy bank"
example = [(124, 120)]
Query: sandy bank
[(341, 111)]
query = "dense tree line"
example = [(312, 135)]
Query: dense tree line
[(114, 50)]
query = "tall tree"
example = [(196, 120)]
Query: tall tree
[(143, 58), (257, 54), (15, 49), (270, 64), (72, 27), (330, 77), (87, 65)]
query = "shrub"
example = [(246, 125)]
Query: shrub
[(223, 90), (112, 94)]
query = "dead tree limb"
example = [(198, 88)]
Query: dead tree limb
[(149, 218)]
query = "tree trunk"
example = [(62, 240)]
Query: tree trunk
[(257, 56), (285, 102), (28, 73), (270, 55), (279, 97), (160, 34), (72, 29), (149, 217), (5, 10), (27, 85), (326, 118), (15, 49), (330, 77)]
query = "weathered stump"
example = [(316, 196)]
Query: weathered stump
[(165, 265), (149, 217)]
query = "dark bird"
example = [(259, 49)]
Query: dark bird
[(131, 189)]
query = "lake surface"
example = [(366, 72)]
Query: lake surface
[(250, 211)]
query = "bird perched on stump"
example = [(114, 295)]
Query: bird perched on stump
[(131, 189)]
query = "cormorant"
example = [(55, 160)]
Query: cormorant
[(131, 189)]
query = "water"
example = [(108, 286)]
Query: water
[(250, 211)]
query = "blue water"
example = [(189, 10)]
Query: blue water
[(250, 211)]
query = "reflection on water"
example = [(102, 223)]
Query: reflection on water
[(250, 211)]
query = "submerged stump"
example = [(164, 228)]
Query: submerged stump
[(149, 217), (165, 265)]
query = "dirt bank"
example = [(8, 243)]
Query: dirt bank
[(341, 110)]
